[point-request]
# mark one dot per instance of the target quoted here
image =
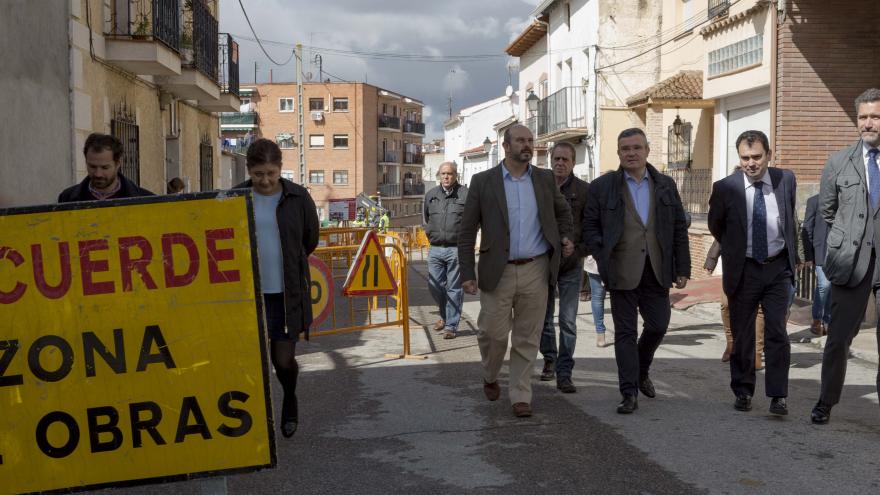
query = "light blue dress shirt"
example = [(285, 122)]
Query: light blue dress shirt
[(526, 237), (269, 243), (640, 192)]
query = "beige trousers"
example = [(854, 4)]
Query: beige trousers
[(515, 308), (759, 327)]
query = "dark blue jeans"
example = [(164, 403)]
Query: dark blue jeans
[(569, 284), (597, 300), (444, 283), (822, 297)]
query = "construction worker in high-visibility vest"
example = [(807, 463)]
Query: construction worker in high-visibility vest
[(384, 221)]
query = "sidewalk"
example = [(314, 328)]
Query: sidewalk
[(703, 297)]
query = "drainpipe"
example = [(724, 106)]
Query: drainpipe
[(774, 70)]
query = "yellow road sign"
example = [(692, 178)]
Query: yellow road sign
[(131, 349), (370, 274), (321, 290)]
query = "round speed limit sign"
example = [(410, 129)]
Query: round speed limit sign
[(321, 290)]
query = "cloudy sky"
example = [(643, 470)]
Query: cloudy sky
[(405, 27)]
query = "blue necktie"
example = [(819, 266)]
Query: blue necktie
[(873, 177), (759, 222)]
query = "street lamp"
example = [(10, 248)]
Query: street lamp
[(676, 124), (532, 102), (487, 145)]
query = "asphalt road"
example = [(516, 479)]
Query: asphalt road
[(370, 424)]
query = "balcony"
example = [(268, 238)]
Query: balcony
[(229, 92), (389, 190), (389, 123), (199, 50), (239, 121), (718, 7), (563, 115), (414, 127), (414, 189), (411, 158), (144, 37), (389, 157)]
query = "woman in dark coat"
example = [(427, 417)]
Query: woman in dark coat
[(287, 233)]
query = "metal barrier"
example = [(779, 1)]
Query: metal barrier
[(353, 314)]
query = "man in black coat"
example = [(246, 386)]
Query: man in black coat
[(104, 180), (814, 234), (636, 229), (751, 214)]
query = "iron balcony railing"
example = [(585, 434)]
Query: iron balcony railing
[(389, 190), (411, 158), (718, 7), (389, 122), (239, 118), (200, 35), (142, 19), (564, 109), (389, 157), (414, 127), (413, 189), (228, 64)]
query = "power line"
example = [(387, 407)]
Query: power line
[(257, 38)]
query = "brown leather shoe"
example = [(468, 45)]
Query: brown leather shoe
[(548, 372), (816, 327), (522, 410), (727, 352), (449, 335), (439, 326), (492, 390)]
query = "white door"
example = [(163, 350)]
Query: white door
[(756, 117)]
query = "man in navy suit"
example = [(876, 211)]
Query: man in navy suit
[(751, 213)]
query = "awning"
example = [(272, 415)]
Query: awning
[(685, 86)]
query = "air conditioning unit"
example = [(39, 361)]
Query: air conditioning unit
[(317, 115)]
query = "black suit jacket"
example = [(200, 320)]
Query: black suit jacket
[(603, 224), (814, 233), (728, 221), (486, 210)]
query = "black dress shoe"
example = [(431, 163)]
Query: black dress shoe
[(821, 413), (743, 403), (565, 386), (629, 404), (289, 417), (646, 386), (778, 406)]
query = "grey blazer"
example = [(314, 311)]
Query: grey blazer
[(843, 203), (486, 209)]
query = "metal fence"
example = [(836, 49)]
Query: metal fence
[(204, 39), (124, 127), (718, 7), (564, 109), (694, 186)]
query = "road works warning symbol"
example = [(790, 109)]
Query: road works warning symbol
[(370, 274)]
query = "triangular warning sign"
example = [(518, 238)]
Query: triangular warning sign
[(370, 274)]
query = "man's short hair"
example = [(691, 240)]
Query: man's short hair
[(751, 137), (176, 185), (448, 164), (97, 143), (263, 151), (869, 96), (632, 131), (507, 132), (566, 145)]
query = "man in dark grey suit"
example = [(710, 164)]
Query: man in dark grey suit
[(636, 228), (814, 232), (526, 227), (751, 214), (849, 200)]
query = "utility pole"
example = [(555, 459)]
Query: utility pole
[(255, 72), (299, 114)]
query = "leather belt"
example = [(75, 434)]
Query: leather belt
[(769, 260), (521, 261)]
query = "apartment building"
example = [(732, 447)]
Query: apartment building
[(357, 138), (150, 72)]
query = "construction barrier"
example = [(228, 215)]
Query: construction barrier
[(333, 263)]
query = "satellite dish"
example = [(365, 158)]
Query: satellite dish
[(508, 91)]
